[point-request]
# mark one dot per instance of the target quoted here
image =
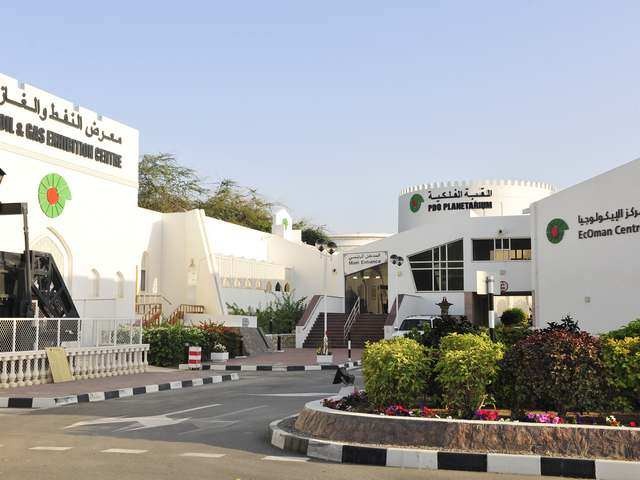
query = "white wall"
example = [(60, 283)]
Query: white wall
[(94, 231), (441, 230), (508, 197), (596, 280)]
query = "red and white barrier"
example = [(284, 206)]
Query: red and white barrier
[(195, 357)]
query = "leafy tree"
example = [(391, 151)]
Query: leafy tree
[(166, 186), (239, 205), (311, 233), (282, 313)]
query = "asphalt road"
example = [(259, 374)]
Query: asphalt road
[(217, 431)]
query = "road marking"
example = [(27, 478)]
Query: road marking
[(52, 449), (123, 450), (286, 459), (311, 394), (192, 409), (203, 455)]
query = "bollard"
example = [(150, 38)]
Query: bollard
[(349, 348), (279, 343)]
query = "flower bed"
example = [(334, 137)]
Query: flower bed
[(402, 428)]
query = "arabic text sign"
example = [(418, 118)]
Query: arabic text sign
[(354, 262), (599, 224), (456, 199), (37, 129)]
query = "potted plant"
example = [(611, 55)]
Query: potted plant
[(323, 353), (219, 353)]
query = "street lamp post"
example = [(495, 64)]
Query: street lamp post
[(397, 260), (326, 249), (21, 209)]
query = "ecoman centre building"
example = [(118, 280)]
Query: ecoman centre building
[(551, 252)]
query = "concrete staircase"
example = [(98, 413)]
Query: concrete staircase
[(368, 326)]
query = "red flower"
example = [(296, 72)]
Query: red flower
[(633, 424)]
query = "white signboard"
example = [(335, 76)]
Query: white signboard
[(354, 262)]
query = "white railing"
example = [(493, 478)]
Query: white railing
[(33, 334), (18, 369), (351, 319)]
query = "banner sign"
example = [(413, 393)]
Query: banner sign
[(354, 262)]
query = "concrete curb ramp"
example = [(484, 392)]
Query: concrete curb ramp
[(271, 368), (443, 460), (51, 402)]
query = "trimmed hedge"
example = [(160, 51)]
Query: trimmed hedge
[(621, 359), (395, 371), (467, 365), (168, 343), (513, 316)]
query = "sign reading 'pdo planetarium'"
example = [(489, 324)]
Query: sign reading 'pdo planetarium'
[(37, 129)]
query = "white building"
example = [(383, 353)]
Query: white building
[(78, 173)]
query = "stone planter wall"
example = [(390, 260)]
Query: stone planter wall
[(469, 435)]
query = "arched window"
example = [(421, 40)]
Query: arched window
[(119, 285), (268, 287), (278, 287), (287, 288), (95, 283)]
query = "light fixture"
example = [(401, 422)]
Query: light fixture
[(2, 174), (366, 277), (355, 278)]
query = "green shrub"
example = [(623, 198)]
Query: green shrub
[(467, 365), (395, 371), (168, 343), (215, 333), (509, 335), (622, 372), (513, 316), (445, 326), (554, 369), (630, 330), (283, 312)]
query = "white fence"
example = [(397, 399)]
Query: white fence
[(33, 334)]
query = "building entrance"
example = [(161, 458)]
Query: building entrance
[(371, 286)]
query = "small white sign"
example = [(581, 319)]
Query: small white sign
[(354, 262)]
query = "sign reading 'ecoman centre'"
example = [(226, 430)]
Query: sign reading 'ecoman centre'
[(36, 132), (600, 223)]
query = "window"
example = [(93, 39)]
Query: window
[(502, 249), (95, 283), (439, 268), (119, 285)]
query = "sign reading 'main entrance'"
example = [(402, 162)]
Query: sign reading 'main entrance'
[(354, 262)]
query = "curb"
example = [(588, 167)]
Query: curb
[(271, 368), (52, 402), (446, 460)]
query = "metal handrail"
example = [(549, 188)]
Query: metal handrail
[(351, 319)]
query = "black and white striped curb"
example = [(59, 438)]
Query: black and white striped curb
[(271, 368), (50, 402), (443, 460)]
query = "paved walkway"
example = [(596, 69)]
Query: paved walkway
[(295, 356), (154, 376)]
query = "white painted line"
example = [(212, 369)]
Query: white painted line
[(196, 382), (52, 449), (286, 459), (192, 409), (4, 402), (203, 455), (176, 385), (43, 402), (151, 388), (309, 394), (123, 450)]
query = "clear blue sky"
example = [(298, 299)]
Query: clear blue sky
[(332, 107)]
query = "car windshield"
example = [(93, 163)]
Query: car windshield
[(410, 323)]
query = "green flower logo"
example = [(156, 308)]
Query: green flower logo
[(53, 192), (415, 202), (556, 229)]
